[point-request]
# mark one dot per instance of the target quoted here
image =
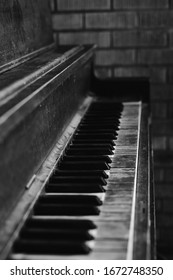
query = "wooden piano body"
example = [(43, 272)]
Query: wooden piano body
[(45, 94)]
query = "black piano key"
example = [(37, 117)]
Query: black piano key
[(49, 247), (93, 132), (74, 188), (96, 129), (94, 136), (81, 173), (111, 118), (65, 210), (55, 234), (85, 145), (93, 114), (95, 142), (104, 123), (92, 158), (112, 121), (60, 224), (69, 199), (98, 126), (77, 180), (80, 165), (82, 150)]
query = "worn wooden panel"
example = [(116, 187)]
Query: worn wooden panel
[(25, 26), (28, 137)]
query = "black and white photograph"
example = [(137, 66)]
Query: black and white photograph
[(86, 132)]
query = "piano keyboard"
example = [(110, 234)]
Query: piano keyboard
[(87, 207)]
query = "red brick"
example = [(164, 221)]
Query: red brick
[(159, 143), (67, 21), (77, 5), (103, 73), (159, 110), (139, 38), (111, 20), (156, 19), (102, 39), (155, 56), (140, 4), (113, 57)]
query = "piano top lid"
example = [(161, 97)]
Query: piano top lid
[(25, 27), (35, 72)]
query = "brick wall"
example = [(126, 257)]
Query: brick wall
[(134, 38)]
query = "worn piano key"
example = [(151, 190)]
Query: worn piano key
[(126, 150), (123, 161), (127, 140), (118, 175), (103, 245)]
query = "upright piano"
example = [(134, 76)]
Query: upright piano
[(76, 176)]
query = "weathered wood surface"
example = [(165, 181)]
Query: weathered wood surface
[(25, 26), (29, 130), (21, 81)]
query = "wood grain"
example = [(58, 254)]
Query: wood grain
[(25, 26), (30, 129)]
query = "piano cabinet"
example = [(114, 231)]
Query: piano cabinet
[(76, 161)]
